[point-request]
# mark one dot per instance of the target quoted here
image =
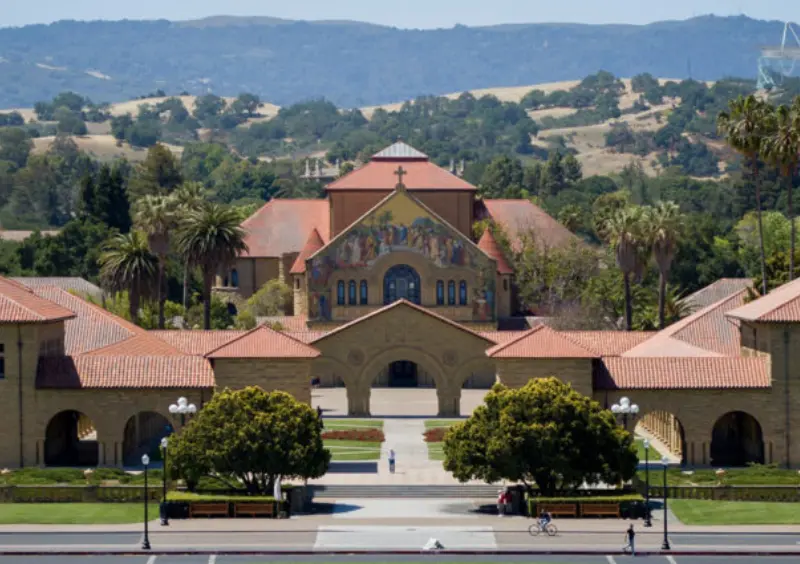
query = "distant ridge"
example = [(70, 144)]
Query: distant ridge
[(353, 63)]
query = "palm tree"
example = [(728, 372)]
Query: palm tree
[(128, 264), (664, 228), (189, 196), (743, 127), (155, 215), (781, 151), (624, 233), (211, 239)]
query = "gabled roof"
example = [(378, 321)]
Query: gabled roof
[(540, 342), (714, 292), (488, 244), (608, 343), (68, 283), (781, 305), (142, 344), (380, 175), (19, 304), (198, 342), (520, 217), (399, 151), (398, 304), (282, 226), (313, 244), (682, 373), (263, 342)]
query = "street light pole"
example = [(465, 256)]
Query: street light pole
[(647, 521), (665, 544), (624, 409), (146, 539), (182, 409), (164, 516)]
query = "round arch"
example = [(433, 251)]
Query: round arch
[(737, 440), (667, 428), (480, 373), (142, 435), (402, 281), (70, 439)]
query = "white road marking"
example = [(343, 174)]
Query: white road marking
[(388, 537), (611, 559), (212, 559), (671, 560), (152, 559)]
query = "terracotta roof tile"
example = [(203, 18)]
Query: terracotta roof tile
[(313, 244), (198, 342), (67, 283), (608, 343), (19, 304), (380, 175), (399, 151), (93, 327), (88, 371), (489, 245), (404, 303), (682, 373), (781, 305), (719, 290), (143, 344), (306, 336), (288, 323), (519, 217), (282, 226), (263, 342), (540, 342), (501, 336)]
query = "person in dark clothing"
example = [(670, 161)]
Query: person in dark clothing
[(631, 537), (319, 417)]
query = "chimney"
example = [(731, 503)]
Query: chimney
[(308, 170), (461, 168), (317, 171), (452, 166)]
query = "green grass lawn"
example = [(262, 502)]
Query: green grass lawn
[(435, 451), (750, 476), (343, 451), (434, 423), (697, 512), (654, 454), (74, 513), (342, 424)]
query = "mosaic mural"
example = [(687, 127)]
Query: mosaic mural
[(399, 225)]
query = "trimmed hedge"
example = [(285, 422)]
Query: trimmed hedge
[(631, 505), (435, 435), (365, 435), (217, 498)]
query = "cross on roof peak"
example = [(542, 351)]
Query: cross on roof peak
[(400, 173)]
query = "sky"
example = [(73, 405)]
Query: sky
[(399, 13)]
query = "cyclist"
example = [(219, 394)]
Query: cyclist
[(544, 519)]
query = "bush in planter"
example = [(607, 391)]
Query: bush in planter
[(366, 435)]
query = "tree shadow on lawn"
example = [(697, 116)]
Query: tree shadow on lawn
[(353, 467)]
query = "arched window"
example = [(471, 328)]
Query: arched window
[(401, 282), (351, 293), (340, 292), (364, 294), (462, 293), (505, 284), (297, 283), (440, 292), (451, 293), (234, 278)]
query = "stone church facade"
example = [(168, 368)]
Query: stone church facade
[(390, 287)]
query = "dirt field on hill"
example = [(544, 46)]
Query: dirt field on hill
[(102, 147)]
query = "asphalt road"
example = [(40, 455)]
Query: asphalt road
[(427, 559)]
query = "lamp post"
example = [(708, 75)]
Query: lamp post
[(647, 521), (182, 409), (665, 544), (146, 539), (625, 409), (164, 516)]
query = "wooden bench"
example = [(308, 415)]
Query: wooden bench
[(208, 510), (254, 509), (559, 509), (600, 510)]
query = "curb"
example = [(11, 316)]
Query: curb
[(397, 553)]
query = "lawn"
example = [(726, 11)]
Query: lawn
[(342, 424), (74, 513), (435, 449), (756, 475), (343, 451), (654, 454), (434, 423), (697, 512)]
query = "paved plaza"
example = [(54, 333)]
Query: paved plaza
[(395, 402)]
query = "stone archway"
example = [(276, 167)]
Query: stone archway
[(142, 435), (737, 440), (71, 440), (667, 429)]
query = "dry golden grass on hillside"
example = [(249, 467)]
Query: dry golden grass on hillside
[(102, 147)]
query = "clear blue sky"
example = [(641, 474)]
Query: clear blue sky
[(400, 13)]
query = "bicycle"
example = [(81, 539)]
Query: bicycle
[(536, 529)]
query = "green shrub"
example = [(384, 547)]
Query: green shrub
[(189, 497), (42, 476)]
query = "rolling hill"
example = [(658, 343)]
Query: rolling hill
[(355, 64)]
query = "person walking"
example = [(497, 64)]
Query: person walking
[(319, 417), (630, 535), (501, 503), (391, 460)]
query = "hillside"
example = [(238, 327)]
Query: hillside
[(355, 64)]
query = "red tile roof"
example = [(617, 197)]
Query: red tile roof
[(313, 244), (282, 226), (110, 372), (683, 373), (143, 344), (197, 342), (263, 342), (501, 336), (380, 175), (404, 303), (19, 304), (781, 305), (489, 245), (93, 327), (714, 292), (287, 323), (608, 343), (540, 342), (307, 337), (521, 217)]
